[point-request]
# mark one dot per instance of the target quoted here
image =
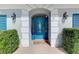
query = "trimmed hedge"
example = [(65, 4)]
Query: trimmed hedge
[(9, 41), (71, 40)]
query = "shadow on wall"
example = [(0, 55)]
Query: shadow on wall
[(59, 40), (63, 20)]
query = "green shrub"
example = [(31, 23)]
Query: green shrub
[(9, 41), (71, 40)]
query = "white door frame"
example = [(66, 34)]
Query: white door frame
[(40, 11)]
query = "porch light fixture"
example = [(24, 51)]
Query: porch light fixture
[(13, 17), (65, 15)]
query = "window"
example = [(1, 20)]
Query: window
[(3, 22)]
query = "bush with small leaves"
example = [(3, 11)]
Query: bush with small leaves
[(71, 40), (9, 41)]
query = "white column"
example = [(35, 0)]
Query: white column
[(25, 29), (54, 28)]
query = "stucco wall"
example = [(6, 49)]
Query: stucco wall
[(25, 29), (55, 29), (68, 22), (57, 24), (10, 24), (22, 24)]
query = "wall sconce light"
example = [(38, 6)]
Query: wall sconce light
[(13, 17), (65, 15)]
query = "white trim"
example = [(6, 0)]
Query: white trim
[(40, 11)]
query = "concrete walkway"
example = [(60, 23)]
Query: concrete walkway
[(40, 49)]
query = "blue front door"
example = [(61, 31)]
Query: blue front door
[(39, 27)]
